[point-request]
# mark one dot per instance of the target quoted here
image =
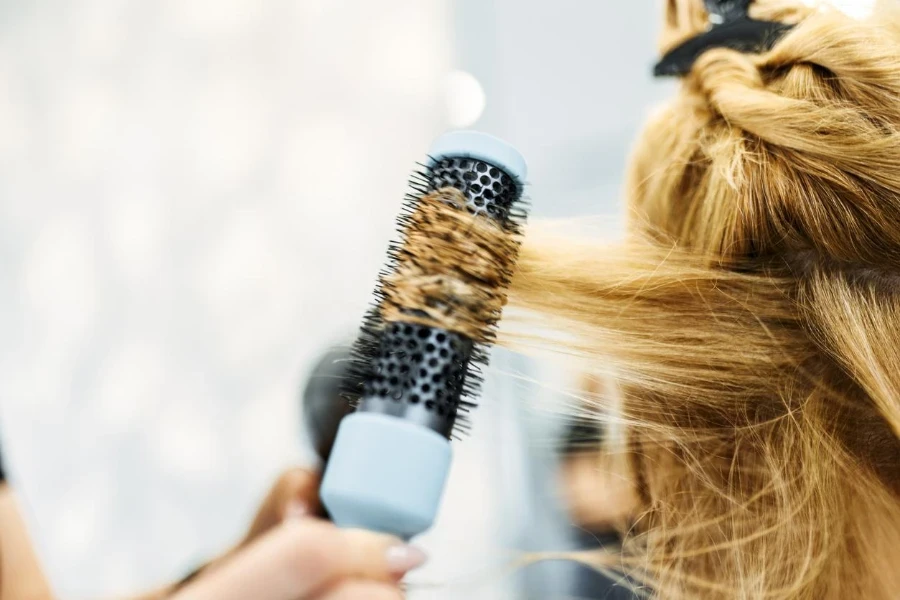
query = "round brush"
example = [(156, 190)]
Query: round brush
[(416, 365)]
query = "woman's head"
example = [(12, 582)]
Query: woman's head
[(752, 318), (788, 152)]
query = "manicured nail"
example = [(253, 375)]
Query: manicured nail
[(296, 510), (401, 559)]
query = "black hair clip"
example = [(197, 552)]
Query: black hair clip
[(731, 27)]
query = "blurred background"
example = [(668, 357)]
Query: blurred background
[(195, 197)]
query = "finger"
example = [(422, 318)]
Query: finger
[(358, 590), (297, 487)]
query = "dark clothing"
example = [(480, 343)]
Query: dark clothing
[(589, 584)]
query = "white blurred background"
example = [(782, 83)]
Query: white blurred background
[(195, 196)]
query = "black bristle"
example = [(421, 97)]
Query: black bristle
[(367, 350)]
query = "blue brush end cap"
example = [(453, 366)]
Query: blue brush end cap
[(386, 475), (480, 146)]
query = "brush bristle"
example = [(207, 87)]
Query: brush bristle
[(466, 176)]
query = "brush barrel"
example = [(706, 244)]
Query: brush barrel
[(391, 458), (421, 372)]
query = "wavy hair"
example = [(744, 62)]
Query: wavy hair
[(751, 319)]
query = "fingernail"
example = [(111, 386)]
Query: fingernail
[(401, 559), (296, 510)]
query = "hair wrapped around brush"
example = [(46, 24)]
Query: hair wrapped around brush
[(751, 320)]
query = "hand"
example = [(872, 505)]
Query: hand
[(286, 554), (307, 559), (295, 494)]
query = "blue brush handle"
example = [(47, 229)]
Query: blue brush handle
[(385, 474)]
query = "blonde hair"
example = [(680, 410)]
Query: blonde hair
[(751, 320)]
